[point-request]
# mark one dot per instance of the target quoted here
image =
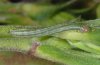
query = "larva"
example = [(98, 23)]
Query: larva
[(48, 30), (45, 31)]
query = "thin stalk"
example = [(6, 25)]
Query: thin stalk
[(86, 46)]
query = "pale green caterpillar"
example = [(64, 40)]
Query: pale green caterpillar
[(49, 30), (59, 28), (44, 32)]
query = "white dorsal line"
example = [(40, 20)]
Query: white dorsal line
[(48, 30)]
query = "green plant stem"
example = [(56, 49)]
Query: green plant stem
[(82, 36), (15, 44), (55, 54), (53, 49)]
